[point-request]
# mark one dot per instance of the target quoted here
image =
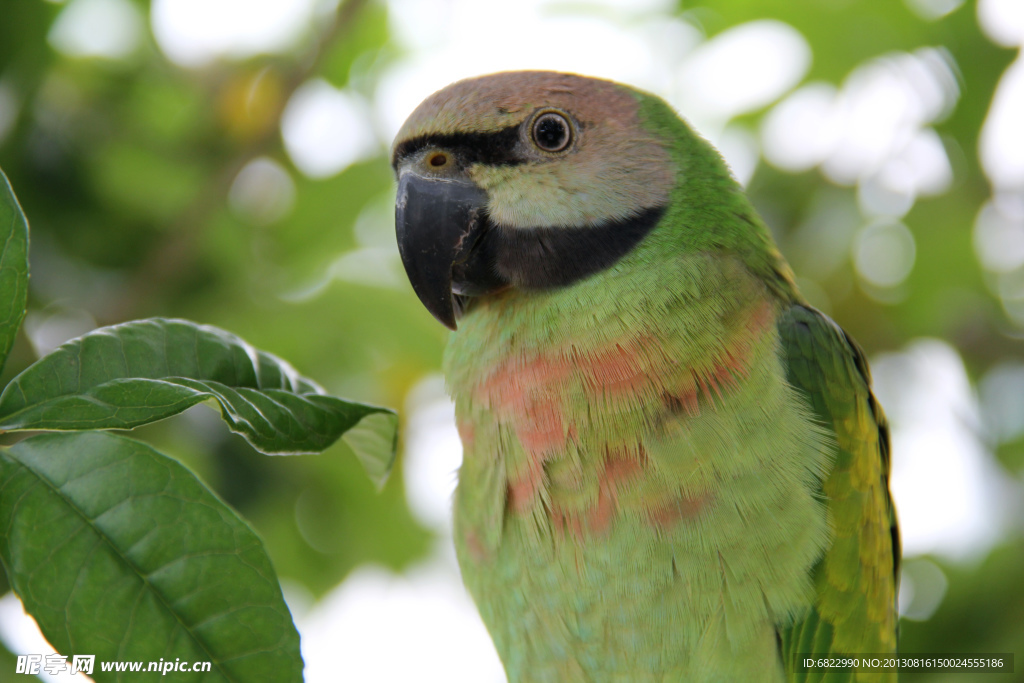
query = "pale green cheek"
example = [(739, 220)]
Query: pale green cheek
[(532, 195)]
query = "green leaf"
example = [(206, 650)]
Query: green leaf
[(375, 436), (120, 552), (13, 267), (132, 374)]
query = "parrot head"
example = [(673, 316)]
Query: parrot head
[(527, 180)]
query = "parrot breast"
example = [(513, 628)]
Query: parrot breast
[(637, 499)]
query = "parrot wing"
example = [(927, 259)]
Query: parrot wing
[(856, 579)]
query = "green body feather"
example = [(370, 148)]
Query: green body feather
[(673, 470)]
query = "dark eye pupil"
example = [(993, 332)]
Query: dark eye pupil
[(551, 133)]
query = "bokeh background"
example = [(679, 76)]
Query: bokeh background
[(226, 161)]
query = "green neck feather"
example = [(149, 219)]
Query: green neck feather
[(708, 212)]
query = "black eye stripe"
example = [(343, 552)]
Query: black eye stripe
[(494, 149)]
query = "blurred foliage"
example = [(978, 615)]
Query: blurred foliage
[(979, 613), (124, 168)]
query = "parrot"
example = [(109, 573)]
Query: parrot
[(674, 468)]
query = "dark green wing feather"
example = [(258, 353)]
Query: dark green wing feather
[(856, 580)]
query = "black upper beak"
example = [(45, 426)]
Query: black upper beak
[(440, 224)]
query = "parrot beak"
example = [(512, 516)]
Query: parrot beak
[(440, 223)]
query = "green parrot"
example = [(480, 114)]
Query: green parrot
[(674, 468)]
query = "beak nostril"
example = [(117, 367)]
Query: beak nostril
[(438, 160)]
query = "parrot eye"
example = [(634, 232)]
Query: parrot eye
[(551, 132)]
